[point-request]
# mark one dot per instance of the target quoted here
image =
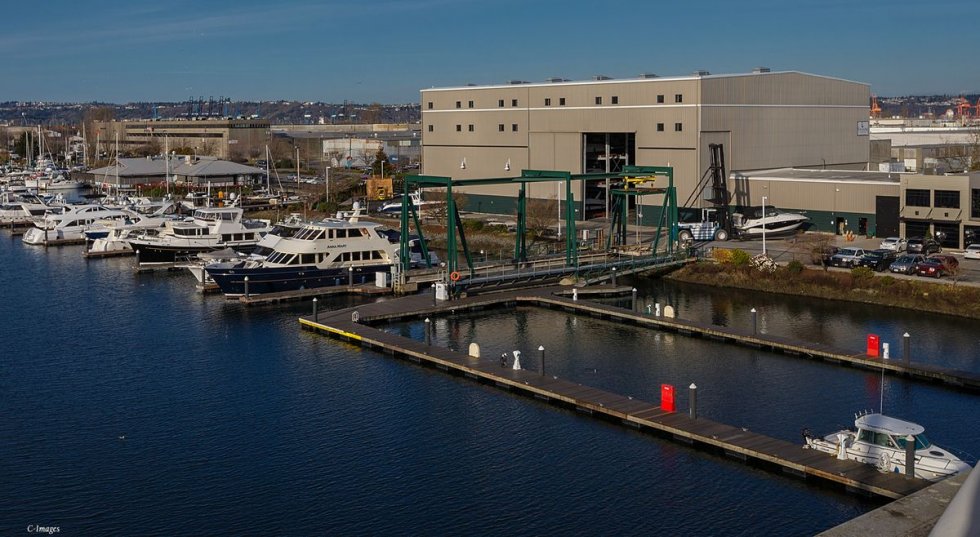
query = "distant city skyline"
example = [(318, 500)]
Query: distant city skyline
[(386, 51)]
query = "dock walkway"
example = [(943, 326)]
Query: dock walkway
[(352, 325)]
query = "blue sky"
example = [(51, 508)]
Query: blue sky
[(387, 50)]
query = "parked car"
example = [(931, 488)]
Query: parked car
[(877, 260), (906, 263), (923, 246), (937, 266), (895, 244), (972, 252), (846, 257)]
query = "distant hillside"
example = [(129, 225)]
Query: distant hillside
[(278, 112)]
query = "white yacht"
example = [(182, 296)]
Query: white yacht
[(147, 218), (881, 441), (322, 254), (209, 229), (752, 221), (72, 224), (25, 207)]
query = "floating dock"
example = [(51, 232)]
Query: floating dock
[(353, 325)]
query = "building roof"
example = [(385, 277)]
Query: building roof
[(202, 167), (811, 175), (640, 79)]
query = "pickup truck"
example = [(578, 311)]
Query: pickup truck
[(847, 257)]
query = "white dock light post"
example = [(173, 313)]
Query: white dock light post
[(755, 322), (764, 199), (350, 276), (614, 276), (246, 286)]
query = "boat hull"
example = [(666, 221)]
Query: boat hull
[(231, 280), (755, 232)]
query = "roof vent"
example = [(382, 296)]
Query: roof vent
[(649, 75), (517, 82), (557, 79), (758, 70), (700, 72), (601, 77), (470, 84)]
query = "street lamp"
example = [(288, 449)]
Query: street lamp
[(764, 198)]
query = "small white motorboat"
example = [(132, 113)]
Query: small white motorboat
[(881, 440), (750, 223)]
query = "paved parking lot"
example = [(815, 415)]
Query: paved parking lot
[(784, 250)]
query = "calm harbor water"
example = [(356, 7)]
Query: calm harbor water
[(131, 404)]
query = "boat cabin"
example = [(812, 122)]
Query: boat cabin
[(885, 431)]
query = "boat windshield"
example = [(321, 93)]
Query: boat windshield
[(921, 442)]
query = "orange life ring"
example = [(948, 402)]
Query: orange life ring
[(454, 276)]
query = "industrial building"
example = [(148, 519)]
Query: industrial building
[(235, 139), (764, 119)]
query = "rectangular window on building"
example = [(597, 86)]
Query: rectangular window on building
[(513, 127), (561, 101), (917, 197), (948, 199), (470, 104), (471, 127), (500, 127), (660, 99), (459, 128), (500, 103), (678, 127), (598, 100), (430, 105), (660, 127), (615, 99), (513, 102), (547, 101), (459, 104), (430, 128), (678, 98), (975, 204)]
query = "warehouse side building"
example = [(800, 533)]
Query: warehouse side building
[(765, 120)]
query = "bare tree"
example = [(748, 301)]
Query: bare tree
[(539, 216)]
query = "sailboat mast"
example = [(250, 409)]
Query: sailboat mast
[(166, 158)]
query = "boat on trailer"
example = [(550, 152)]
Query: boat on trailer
[(751, 222), (881, 441)]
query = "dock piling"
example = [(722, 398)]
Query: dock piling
[(246, 286), (755, 322), (541, 350), (614, 276), (907, 348), (633, 306), (693, 388), (314, 309), (428, 333)]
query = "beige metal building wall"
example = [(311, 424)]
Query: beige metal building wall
[(765, 120)]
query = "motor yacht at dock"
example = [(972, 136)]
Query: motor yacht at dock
[(209, 229), (322, 254)]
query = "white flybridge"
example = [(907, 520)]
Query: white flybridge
[(882, 440), (73, 223), (210, 229)]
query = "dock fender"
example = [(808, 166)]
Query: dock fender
[(842, 446)]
